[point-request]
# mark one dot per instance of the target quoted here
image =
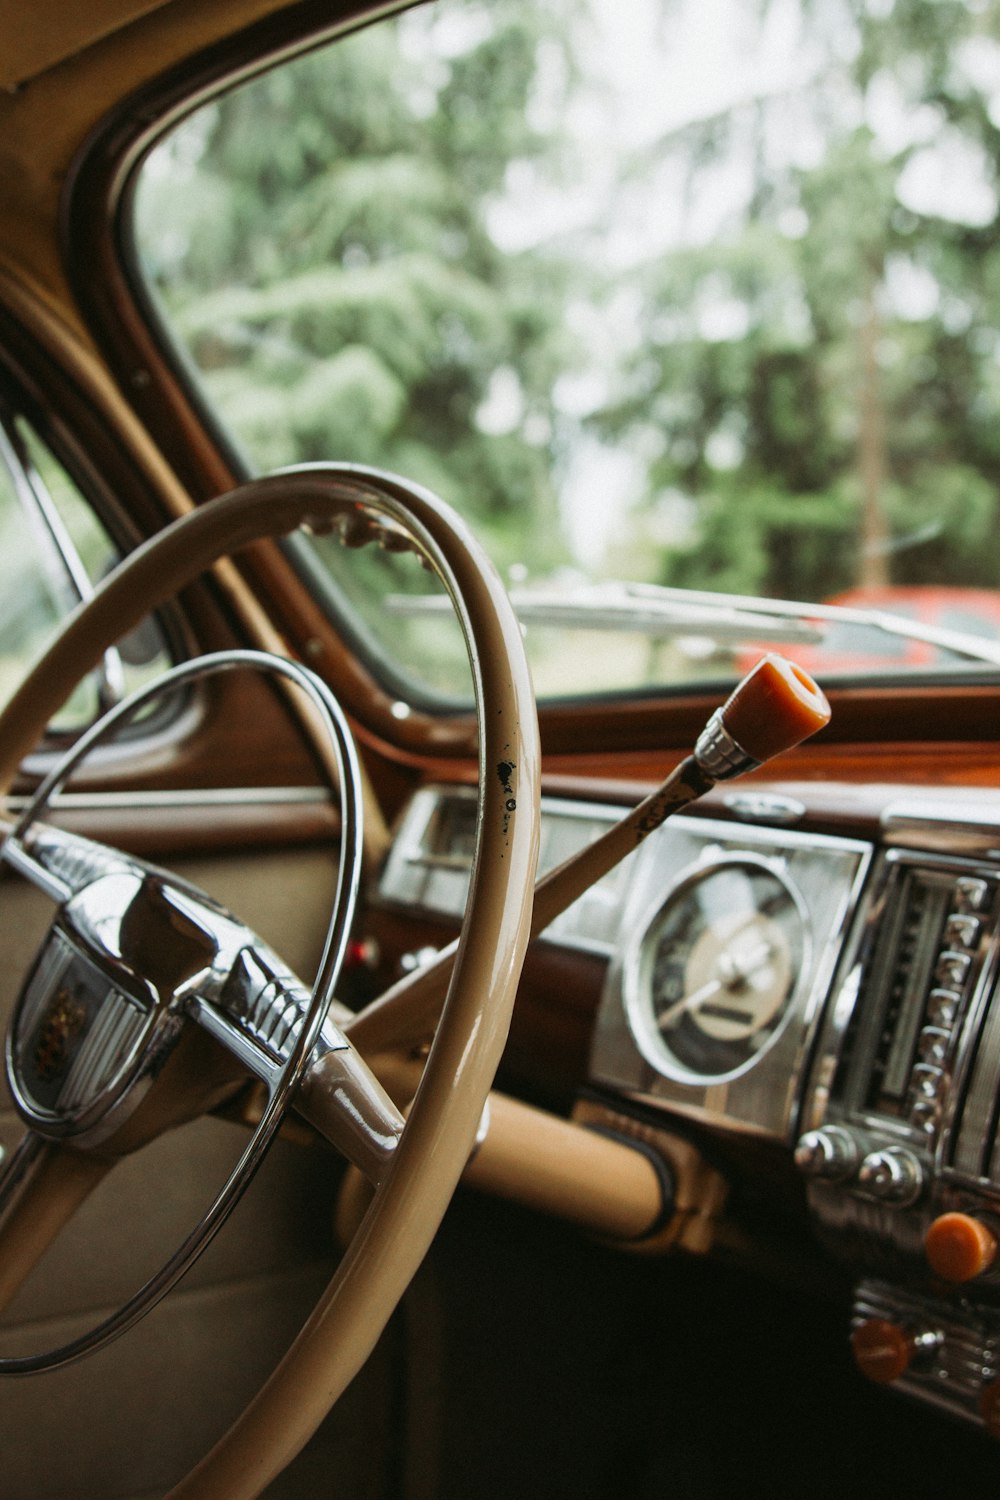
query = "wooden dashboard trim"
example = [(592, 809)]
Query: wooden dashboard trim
[(843, 789)]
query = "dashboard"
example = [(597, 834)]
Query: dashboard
[(832, 997)]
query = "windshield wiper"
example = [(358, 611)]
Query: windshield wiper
[(957, 642), (658, 611), (666, 613)]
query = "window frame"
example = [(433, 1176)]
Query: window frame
[(22, 396)]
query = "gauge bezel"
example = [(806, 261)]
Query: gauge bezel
[(639, 956)]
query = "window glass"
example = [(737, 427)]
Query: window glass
[(29, 603), (53, 549), (690, 295)]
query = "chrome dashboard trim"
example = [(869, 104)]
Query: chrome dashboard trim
[(202, 797), (767, 1098), (822, 1106), (633, 954), (424, 881), (771, 808), (957, 828)]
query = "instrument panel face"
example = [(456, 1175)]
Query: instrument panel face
[(729, 942), (721, 938), (710, 982)]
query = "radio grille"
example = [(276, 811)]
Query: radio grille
[(917, 980)]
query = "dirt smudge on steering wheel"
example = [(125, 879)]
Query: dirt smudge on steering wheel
[(505, 771)]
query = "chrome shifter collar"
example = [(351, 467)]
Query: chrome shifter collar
[(718, 754)]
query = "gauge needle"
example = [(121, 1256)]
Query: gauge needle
[(689, 1002), (740, 973), (741, 969)]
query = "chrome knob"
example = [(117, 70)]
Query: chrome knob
[(829, 1154), (892, 1175)]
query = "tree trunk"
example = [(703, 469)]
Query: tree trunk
[(872, 458)]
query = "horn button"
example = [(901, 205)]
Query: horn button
[(103, 1006)]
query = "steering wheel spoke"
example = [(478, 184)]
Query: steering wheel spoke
[(342, 1099), (257, 1013), (55, 862), (41, 1187)]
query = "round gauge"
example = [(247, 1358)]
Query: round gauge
[(711, 981)]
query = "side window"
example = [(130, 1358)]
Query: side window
[(53, 550)]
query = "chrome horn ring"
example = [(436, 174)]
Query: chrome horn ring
[(108, 1065)]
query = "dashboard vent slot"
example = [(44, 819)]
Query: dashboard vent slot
[(914, 991), (914, 940)]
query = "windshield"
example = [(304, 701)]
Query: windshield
[(693, 294)]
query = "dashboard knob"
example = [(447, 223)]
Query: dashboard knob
[(959, 1247), (829, 1154), (883, 1351), (891, 1175)]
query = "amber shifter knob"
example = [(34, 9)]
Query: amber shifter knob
[(959, 1248), (774, 708)]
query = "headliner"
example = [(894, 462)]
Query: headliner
[(39, 35)]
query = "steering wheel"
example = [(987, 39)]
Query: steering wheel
[(109, 1044)]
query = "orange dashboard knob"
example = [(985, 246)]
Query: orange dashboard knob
[(882, 1350), (959, 1247)]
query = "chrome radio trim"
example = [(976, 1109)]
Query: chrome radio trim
[(822, 1107)]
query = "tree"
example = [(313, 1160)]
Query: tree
[(821, 379), (332, 270)]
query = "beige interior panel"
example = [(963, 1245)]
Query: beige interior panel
[(134, 1417)]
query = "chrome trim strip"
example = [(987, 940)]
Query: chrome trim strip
[(409, 852), (943, 827), (200, 797)]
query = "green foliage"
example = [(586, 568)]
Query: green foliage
[(830, 399), (333, 274), (945, 524), (814, 397), (751, 540)]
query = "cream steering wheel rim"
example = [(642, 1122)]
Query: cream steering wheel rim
[(445, 1115)]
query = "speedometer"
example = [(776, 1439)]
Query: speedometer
[(710, 983)]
